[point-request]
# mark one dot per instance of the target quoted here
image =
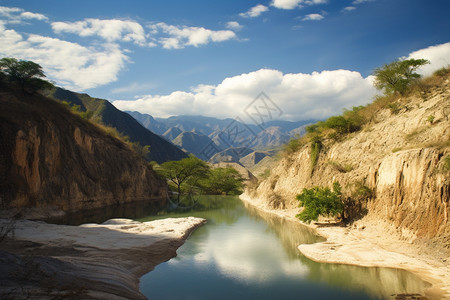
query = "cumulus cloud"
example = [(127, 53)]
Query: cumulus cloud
[(16, 15), (178, 37), (234, 25), (299, 96), (438, 55), (30, 15), (291, 4), (69, 64), (255, 11), (312, 17), (110, 30)]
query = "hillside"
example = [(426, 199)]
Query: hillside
[(160, 149), (50, 157), (194, 142), (401, 155)]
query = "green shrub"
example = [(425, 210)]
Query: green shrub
[(446, 166), (320, 201), (442, 72), (431, 119), (343, 168), (316, 147)]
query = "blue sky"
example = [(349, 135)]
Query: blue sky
[(312, 58)]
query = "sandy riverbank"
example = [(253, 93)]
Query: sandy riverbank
[(91, 261), (372, 244)]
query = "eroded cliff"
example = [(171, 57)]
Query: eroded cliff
[(50, 157), (400, 155)]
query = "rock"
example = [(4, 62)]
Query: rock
[(92, 261)]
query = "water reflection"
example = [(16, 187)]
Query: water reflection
[(243, 253)]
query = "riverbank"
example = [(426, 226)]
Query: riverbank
[(372, 244), (91, 261)]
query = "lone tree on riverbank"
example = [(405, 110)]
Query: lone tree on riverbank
[(181, 171)]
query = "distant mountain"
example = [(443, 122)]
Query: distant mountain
[(232, 154), (172, 133), (160, 149), (195, 143), (252, 159), (222, 131)]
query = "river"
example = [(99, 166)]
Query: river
[(243, 253)]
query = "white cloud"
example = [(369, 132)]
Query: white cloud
[(255, 11), (234, 25), (16, 15), (69, 64), (361, 1), (30, 15), (110, 30), (291, 4), (179, 37), (348, 8), (313, 17), (438, 55), (300, 96)]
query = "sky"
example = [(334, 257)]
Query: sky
[(310, 58)]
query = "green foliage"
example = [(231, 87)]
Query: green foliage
[(442, 72), (188, 172), (222, 181), (394, 108), (320, 201), (431, 119), (398, 75), (293, 145), (343, 168), (265, 174), (316, 147), (446, 165), (27, 73)]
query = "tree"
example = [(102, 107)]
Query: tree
[(182, 171), (320, 201), (26, 73), (223, 181), (398, 75)]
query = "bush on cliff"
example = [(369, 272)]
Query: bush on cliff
[(320, 201)]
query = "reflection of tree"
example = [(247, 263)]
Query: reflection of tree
[(291, 234), (379, 282)]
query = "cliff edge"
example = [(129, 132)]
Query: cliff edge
[(50, 157)]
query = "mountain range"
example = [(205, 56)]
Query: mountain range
[(207, 136)]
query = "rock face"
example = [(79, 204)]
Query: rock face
[(92, 261), (51, 157), (399, 156)]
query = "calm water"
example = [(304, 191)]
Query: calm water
[(245, 254)]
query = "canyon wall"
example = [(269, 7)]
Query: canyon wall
[(399, 155), (50, 157)]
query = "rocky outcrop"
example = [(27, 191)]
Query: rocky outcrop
[(91, 261), (399, 156), (50, 157)]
